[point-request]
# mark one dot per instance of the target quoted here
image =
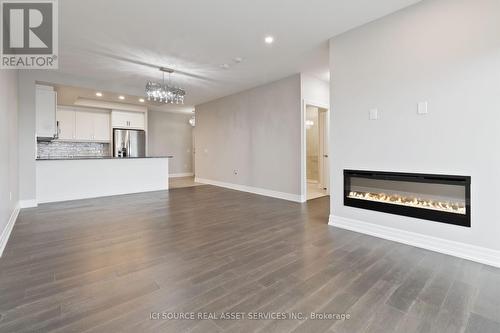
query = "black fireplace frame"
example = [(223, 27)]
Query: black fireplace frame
[(463, 220)]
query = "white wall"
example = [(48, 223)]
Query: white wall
[(314, 90), (446, 52), (256, 133), (8, 152), (171, 134)]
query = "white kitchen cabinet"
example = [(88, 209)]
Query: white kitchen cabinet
[(123, 119), (102, 130), (45, 106), (84, 125), (66, 124)]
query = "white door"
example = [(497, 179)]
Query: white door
[(119, 119), (102, 130), (66, 122), (136, 120), (84, 125)]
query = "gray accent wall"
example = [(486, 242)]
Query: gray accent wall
[(252, 138), (9, 195), (447, 53), (171, 134)]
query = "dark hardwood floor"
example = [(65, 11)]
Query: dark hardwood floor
[(104, 265)]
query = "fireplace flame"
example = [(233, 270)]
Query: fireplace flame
[(396, 199)]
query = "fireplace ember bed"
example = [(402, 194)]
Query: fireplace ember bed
[(441, 198)]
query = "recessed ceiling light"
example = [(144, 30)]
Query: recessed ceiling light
[(238, 60), (269, 39), (141, 100), (98, 94), (121, 97), (224, 66)]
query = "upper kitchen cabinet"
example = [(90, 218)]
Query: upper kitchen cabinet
[(83, 125), (102, 127), (45, 106), (124, 119), (66, 124)]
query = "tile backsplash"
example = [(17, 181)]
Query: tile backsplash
[(72, 149)]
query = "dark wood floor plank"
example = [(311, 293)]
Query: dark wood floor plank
[(481, 324), (104, 265)]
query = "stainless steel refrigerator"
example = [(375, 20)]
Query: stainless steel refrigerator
[(129, 143)]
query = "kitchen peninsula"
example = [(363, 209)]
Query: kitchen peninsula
[(90, 148), (61, 179)]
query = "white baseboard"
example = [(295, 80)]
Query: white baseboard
[(4, 237), (28, 203), (177, 175), (462, 250), (254, 190)]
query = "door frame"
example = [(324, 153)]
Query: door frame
[(303, 146)]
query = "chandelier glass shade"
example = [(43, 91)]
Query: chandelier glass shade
[(163, 92)]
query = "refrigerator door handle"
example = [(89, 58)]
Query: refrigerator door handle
[(128, 149)]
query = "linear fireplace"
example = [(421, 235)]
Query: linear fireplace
[(441, 198)]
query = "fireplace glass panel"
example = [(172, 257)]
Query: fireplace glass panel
[(440, 197)]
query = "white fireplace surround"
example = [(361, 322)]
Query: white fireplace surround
[(444, 53)]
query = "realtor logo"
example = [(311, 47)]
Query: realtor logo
[(29, 34)]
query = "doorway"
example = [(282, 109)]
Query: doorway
[(316, 152)]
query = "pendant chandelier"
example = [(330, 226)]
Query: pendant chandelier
[(165, 92)]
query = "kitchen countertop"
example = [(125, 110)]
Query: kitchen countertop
[(70, 158)]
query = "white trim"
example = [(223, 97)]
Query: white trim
[(4, 238), (254, 190), (462, 250), (177, 175), (303, 143), (28, 203)]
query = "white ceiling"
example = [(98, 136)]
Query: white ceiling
[(120, 42)]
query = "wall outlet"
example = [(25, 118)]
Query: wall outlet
[(373, 114), (422, 108)]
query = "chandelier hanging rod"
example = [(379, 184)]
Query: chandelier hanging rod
[(166, 70)]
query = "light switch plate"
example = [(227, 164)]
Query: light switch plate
[(422, 108), (374, 114)]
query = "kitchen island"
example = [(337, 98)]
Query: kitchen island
[(72, 178)]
